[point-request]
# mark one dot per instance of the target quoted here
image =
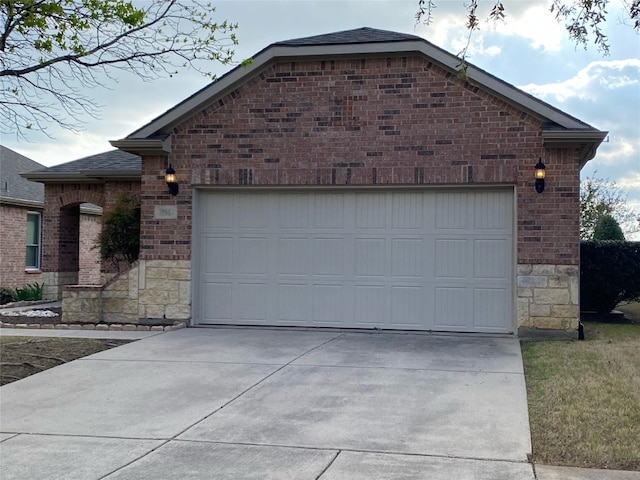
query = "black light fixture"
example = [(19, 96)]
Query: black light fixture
[(172, 181), (540, 174)]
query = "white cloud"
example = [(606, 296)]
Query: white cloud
[(607, 74), (537, 25), (616, 148), (631, 182)]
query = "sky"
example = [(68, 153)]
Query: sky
[(530, 50)]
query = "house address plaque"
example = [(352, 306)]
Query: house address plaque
[(165, 212)]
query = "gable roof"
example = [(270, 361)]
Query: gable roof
[(359, 35), (114, 165), (561, 129), (15, 189)]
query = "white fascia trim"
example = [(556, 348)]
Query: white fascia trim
[(206, 96), (141, 145), (18, 202)]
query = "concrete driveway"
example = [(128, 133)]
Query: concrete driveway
[(274, 404)]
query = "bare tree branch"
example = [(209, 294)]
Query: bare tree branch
[(52, 50)]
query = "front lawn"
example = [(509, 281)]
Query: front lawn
[(584, 398)]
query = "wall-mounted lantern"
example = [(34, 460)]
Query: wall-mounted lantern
[(172, 181), (540, 174)]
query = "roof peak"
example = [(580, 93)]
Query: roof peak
[(357, 35)]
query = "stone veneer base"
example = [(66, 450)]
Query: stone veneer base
[(127, 327), (548, 296)]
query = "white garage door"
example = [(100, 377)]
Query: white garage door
[(409, 259)]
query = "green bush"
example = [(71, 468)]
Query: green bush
[(6, 295), (608, 228), (28, 293), (119, 240), (609, 274)]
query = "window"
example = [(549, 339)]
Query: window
[(33, 240)]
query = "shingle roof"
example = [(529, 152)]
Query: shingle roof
[(12, 185), (114, 163), (359, 35)]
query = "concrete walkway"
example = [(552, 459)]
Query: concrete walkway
[(275, 404)]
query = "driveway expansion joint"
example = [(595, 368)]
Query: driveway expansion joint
[(255, 385)]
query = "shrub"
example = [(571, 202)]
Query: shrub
[(119, 240), (609, 274), (6, 295), (608, 228), (30, 292)]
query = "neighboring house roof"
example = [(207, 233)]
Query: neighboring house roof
[(15, 189), (560, 129), (111, 165)]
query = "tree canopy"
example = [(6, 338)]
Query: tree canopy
[(583, 19), (52, 50), (607, 228), (600, 198)]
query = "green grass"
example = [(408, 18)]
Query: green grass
[(584, 398)]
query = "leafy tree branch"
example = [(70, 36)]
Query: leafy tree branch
[(51, 51), (584, 20)]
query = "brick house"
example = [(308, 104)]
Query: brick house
[(355, 179), (21, 205), (75, 194)]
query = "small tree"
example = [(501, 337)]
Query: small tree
[(599, 197), (119, 240), (608, 228)]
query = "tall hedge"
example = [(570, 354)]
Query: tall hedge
[(609, 274)]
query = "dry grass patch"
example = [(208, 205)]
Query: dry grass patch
[(21, 357), (584, 398)]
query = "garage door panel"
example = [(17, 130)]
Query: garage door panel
[(329, 306), (219, 214), (452, 308), (488, 310), (328, 256), (408, 257), (371, 306), (293, 212), (407, 305), (491, 211), (219, 301), (218, 255), (250, 255), (293, 256), (408, 211), (452, 210), (252, 211), (328, 212), (452, 258), (293, 302), (250, 301), (370, 257), (371, 211), (490, 259), (415, 260)]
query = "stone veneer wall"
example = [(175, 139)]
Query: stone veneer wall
[(548, 296), (54, 283), (151, 289), (81, 304), (164, 289)]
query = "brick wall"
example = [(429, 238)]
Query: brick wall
[(89, 256), (65, 256), (13, 247), (365, 121)]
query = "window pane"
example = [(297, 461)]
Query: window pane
[(32, 257), (33, 240), (33, 229)]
